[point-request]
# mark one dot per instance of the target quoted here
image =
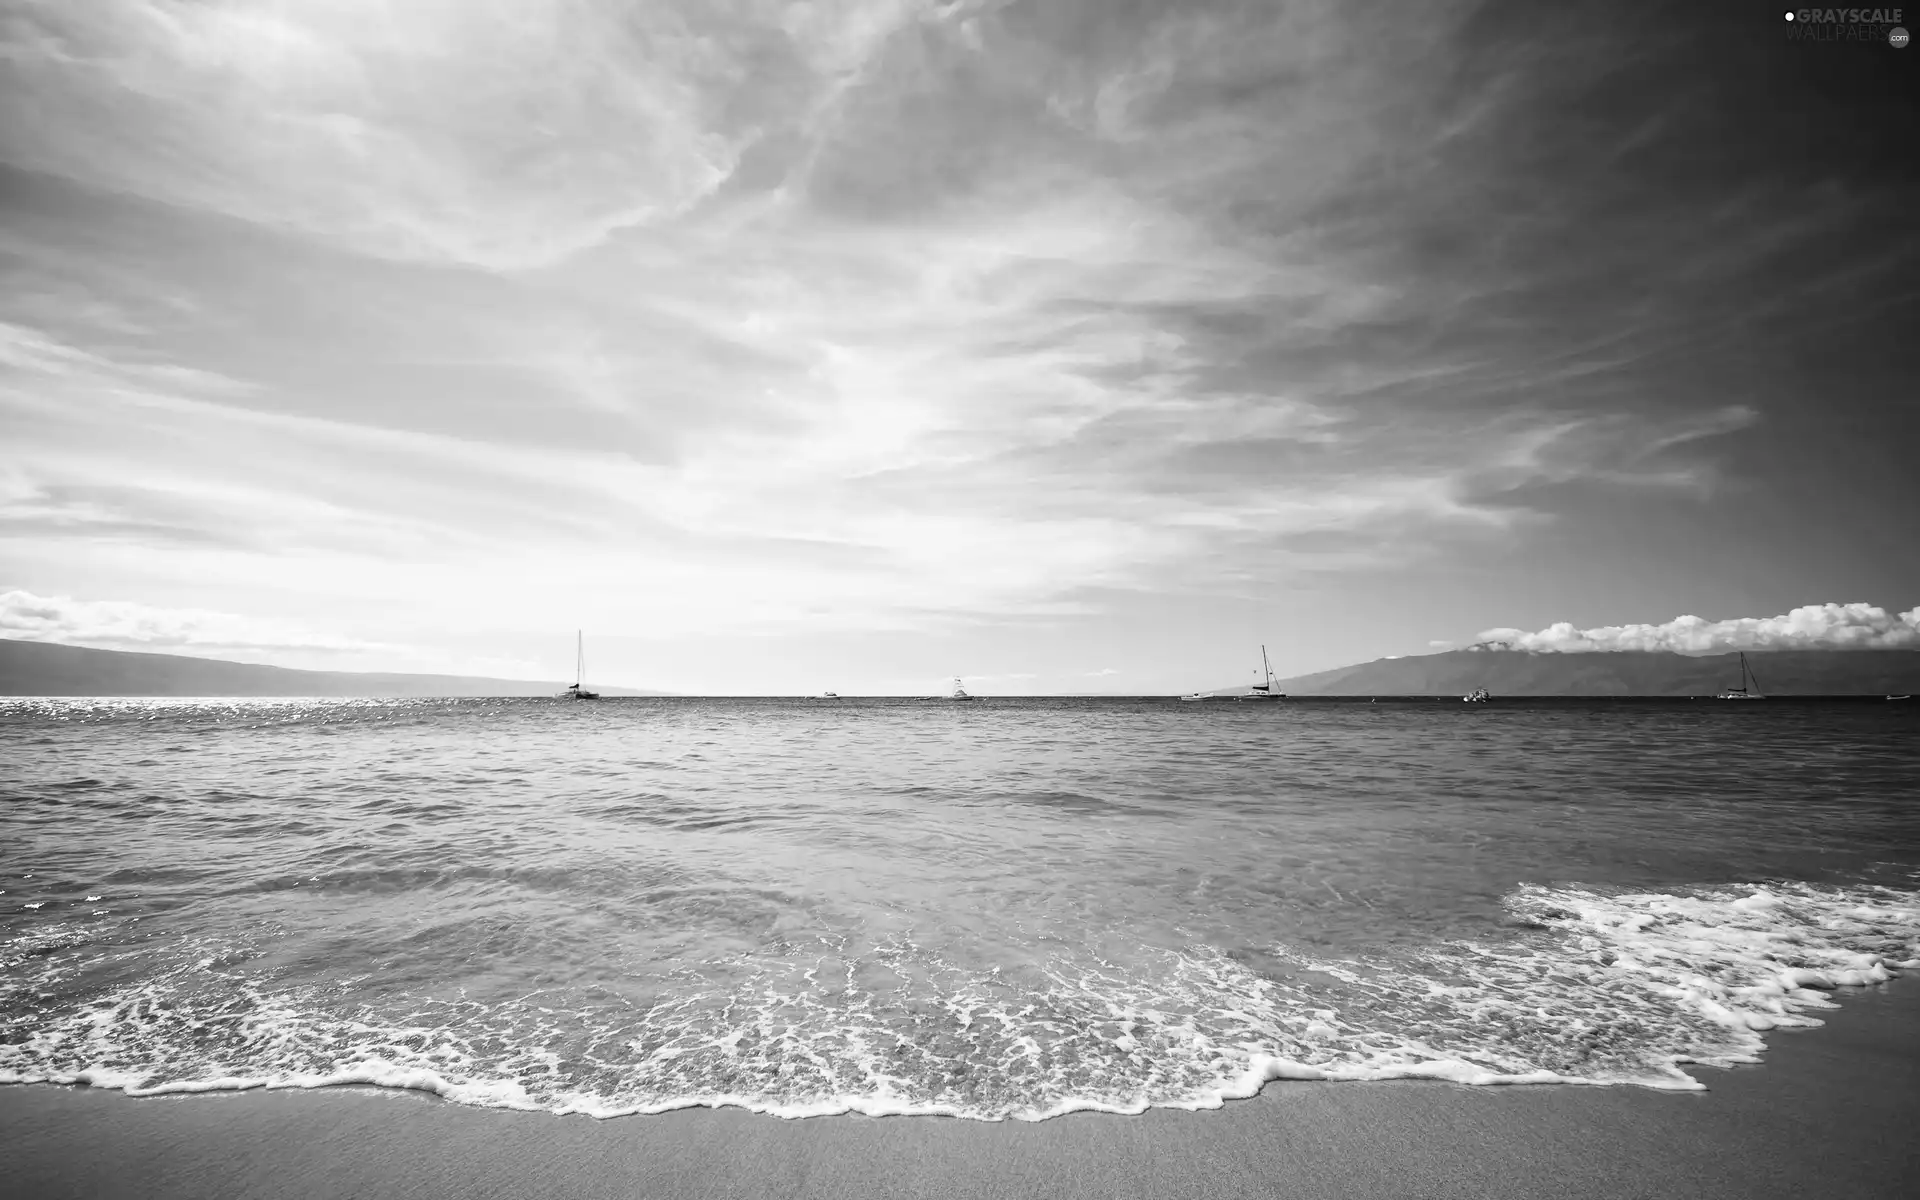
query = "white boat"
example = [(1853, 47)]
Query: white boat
[(1749, 688), (1263, 690), (577, 690), (959, 693), (1477, 696)]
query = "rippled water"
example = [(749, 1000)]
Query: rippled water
[(1008, 908)]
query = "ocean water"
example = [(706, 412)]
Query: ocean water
[(1006, 909)]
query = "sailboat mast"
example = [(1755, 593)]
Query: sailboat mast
[(1266, 669), (579, 657)]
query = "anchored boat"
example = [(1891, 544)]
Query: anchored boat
[(577, 690), (1264, 689), (1749, 688)]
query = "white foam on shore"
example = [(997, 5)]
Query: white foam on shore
[(1595, 987)]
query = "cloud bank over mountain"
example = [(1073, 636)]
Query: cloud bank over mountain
[(1811, 627)]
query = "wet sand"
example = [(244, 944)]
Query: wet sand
[(1833, 1111)]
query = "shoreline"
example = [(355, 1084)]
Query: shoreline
[(1833, 1109)]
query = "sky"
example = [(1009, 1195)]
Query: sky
[(1081, 346)]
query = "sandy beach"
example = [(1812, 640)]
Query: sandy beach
[(1833, 1111)]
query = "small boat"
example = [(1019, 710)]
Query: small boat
[(1749, 688), (1904, 697), (829, 695), (1198, 696), (1477, 696), (959, 693), (1263, 690), (577, 690)]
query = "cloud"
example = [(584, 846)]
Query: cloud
[(1811, 627), (122, 625), (498, 133), (911, 478), (1631, 451)]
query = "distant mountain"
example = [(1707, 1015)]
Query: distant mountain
[(1616, 673), (46, 669)]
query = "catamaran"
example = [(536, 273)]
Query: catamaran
[(577, 690), (1264, 689), (1749, 688)]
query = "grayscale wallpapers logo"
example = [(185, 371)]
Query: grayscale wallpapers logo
[(1847, 25)]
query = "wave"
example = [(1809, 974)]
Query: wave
[(1590, 986)]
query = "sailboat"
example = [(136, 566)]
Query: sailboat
[(959, 693), (1749, 688), (577, 690), (1264, 689)]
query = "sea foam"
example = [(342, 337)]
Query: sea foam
[(1594, 986)]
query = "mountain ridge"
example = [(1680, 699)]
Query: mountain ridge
[(1614, 673), (30, 668)]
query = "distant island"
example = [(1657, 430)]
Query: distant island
[(49, 669), (1614, 673)]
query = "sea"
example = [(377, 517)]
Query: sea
[(1005, 909)]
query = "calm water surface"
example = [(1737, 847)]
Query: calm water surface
[(1007, 908)]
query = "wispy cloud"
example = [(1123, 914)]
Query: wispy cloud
[(1810, 627), (498, 133), (118, 624)]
